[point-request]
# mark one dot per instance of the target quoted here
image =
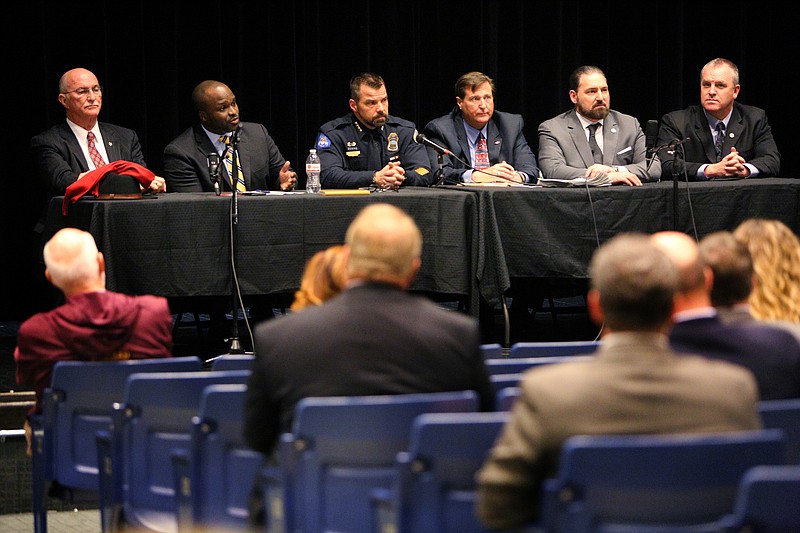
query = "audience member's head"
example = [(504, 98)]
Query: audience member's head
[(383, 245), (775, 251), (324, 277), (73, 263), (694, 278), (633, 285), (730, 263)]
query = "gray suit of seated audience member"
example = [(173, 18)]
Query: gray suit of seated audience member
[(564, 149), (635, 385), (772, 354), (373, 338)]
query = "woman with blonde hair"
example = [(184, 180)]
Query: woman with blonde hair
[(324, 277), (775, 251)]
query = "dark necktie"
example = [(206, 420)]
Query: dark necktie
[(375, 154), (720, 138), (597, 154)]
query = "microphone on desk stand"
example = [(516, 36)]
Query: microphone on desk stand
[(651, 136), (213, 170)]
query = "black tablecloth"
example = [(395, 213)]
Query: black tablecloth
[(536, 232), (476, 239), (177, 245)]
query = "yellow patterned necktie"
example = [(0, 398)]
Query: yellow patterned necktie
[(228, 160)]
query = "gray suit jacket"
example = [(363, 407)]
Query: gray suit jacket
[(635, 385), (564, 150)]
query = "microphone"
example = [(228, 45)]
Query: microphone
[(213, 169), (651, 136), (671, 145), (421, 139), (235, 136)]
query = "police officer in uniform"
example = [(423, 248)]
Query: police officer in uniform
[(368, 147)]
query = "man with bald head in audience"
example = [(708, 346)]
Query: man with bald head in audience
[(94, 324), (768, 352), (373, 338)]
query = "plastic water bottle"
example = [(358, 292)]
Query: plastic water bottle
[(313, 168)]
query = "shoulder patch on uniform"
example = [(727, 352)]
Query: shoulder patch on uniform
[(323, 142)]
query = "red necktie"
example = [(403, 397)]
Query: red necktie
[(97, 159), (481, 154)]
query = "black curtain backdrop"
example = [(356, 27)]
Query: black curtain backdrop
[(289, 64)]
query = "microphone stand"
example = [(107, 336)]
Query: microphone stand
[(675, 175), (440, 181), (236, 346)]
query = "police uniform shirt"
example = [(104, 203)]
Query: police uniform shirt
[(351, 153)]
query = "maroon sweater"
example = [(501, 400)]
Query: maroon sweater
[(95, 326)]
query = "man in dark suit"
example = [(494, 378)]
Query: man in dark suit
[(373, 338), (723, 139), (770, 353), (778, 373), (186, 161), (509, 156), (592, 141), (635, 384), (64, 153)]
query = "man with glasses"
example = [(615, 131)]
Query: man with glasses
[(64, 153)]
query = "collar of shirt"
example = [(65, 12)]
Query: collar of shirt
[(692, 314), (585, 123), (81, 133), (214, 138), (712, 121), (472, 135)]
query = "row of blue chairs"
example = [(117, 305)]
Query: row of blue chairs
[(539, 349), (350, 464), (108, 431)]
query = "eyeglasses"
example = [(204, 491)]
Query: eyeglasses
[(83, 91)]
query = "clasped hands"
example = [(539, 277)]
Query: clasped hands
[(499, 172), (391, 176), (730, 166)]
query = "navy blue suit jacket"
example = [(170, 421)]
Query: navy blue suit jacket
[(771, 354), (505, 140)]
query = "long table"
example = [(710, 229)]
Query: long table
[(476, 239), (178, 245)]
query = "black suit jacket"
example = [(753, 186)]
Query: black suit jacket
[(186, 160), (371, 339), (58, 159), (748, 131), (772, 354), (505, 140)]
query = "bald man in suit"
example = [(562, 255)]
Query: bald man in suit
[(64, 153)]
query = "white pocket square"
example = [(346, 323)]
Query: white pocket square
[(628, 149)]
